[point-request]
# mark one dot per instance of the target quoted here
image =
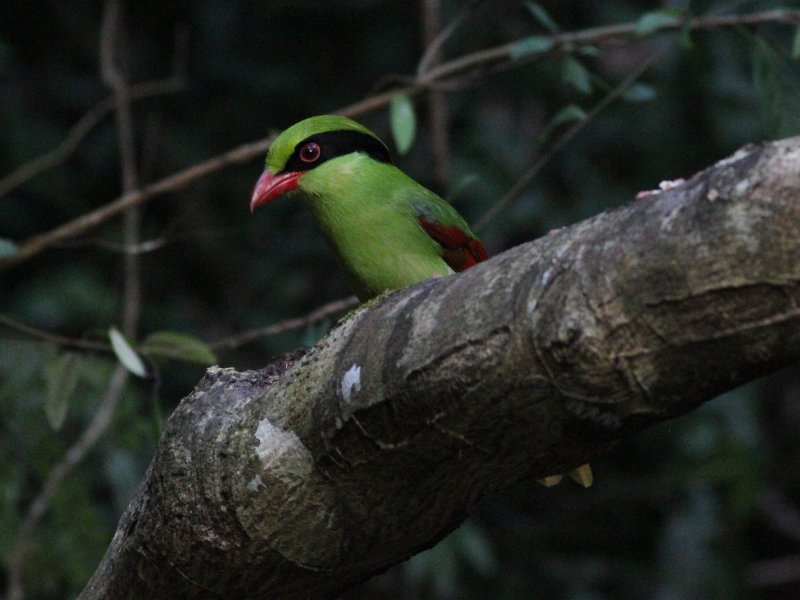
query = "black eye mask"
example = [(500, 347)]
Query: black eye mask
[(337, 143)]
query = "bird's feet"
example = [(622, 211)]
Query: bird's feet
[(581, 475)]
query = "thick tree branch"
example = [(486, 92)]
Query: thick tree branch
[(328, 466)]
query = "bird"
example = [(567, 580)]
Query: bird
[(386, 230)]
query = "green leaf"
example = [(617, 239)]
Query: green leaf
[(7, 248), (639, 92), (126, 354), (531, 45), (796, 45), (652, 21), (573, 112), (63, 375), (403, 119), (171, 344), (541, 15), (575, 74)]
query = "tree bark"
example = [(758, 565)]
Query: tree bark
[(332, 464)]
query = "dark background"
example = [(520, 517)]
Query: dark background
[(707, 506)]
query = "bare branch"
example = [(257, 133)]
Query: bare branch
[(228, 343), (84, 223), (315, 316), (435, 39), (52, 338), (438, 115), (597, 35), (476, 61), (110, 46)]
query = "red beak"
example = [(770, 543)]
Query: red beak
[(271, 186)]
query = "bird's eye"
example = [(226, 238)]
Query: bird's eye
[(310, 152)]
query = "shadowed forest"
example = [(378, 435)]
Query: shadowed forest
[(132, 136)]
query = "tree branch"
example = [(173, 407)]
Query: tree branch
[(110, 34), (441, 74), (438, 113), (315, 316), (303, 478)]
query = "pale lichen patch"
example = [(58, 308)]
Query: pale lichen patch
[(281, 452), (255, 483), (742, 219)]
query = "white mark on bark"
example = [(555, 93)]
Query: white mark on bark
[(545, 277), (351, 382), (281, 452), (255, 483), (742, 188)]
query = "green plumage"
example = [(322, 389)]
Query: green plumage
[(387, 230)]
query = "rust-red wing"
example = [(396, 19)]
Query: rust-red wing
[(459, 250)]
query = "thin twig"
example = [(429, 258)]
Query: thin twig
[(170, 236), (438, 116), (39, 243), (113, 77), (52, 337), (315, 316), (228, 343), (596, 35), (93, 117), (570, 133), (477, 60), (435, 39)]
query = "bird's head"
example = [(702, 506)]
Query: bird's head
[(308, 144)]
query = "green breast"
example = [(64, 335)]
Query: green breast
[(367, 212)]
